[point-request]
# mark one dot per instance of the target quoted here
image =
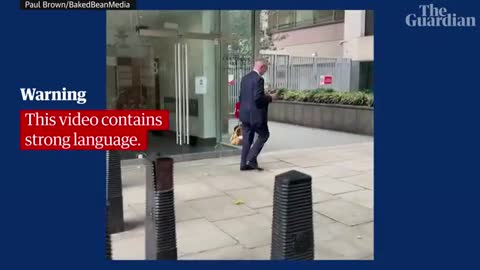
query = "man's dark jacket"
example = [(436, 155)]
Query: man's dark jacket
[(253, 101)]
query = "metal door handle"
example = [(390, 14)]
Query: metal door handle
[(178, 99), (187, 126), (176, 90)]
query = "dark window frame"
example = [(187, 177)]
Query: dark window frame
[(369, 22), (277, 28)]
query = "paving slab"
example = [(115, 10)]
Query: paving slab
[(134, 195), (333, 171), (333, 186), (196, 190), (276, 165), (184, 211), (363, 180), (313, 160), (261, 253), (317, 218), (331, 230), (256, 197), (357, 164), (264, 179), (132, 248), (219, 208), (231, 182), (133, 224), (349, 250), (336, 241), (199, 235), (345, 212), (211, 226), (236, 252), (250, 231), (361, 197), (324, 252)]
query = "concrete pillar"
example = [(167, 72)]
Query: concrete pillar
[(354, 24), (354, 28)]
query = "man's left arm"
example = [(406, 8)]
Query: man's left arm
[(261, 99)]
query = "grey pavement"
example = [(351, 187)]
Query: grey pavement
[(286, 136), (225, 214)]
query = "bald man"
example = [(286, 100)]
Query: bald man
[(254, 115)]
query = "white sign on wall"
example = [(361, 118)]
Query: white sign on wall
[(200, 85)]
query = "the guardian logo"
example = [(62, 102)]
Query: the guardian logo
[(431, 16)]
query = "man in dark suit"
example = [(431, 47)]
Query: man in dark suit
[(254, 115)]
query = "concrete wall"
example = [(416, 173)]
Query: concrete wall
[(330, 49), (359, 49), (353, 119), (346, 40), (356, 45), (322, 40)]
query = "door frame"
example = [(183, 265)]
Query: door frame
[(179, 38)]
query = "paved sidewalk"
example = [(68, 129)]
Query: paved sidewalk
[(211, 227)]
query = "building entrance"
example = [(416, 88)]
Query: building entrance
[(175, 61)]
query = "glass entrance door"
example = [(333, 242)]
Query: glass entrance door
[(177, 61), (237, 51), (187, 76)]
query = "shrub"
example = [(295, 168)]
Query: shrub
[(327, 96)]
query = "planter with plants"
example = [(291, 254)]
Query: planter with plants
[(325, 108)]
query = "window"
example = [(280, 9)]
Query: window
[(339, 15), (282, 20), (304, 17), (369, 23), (285, 18), (322, 16), (366, 75)]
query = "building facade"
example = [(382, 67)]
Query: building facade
[(325, 33), (190, 62)]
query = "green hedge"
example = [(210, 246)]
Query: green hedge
[(327, 96)]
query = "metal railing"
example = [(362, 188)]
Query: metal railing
[(292, 72)]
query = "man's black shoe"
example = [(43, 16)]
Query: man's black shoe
[(246, 168), (255, 167)]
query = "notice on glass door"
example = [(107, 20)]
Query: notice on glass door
[(200, 85)]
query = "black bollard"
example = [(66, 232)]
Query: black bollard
[(108, 240), (160, 231), (114, 192), (292, 224)]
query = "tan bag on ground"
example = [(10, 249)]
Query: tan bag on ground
[(236, 138)]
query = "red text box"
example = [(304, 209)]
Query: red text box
[(89, 129)]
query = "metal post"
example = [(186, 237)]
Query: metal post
[(114, 192), (256, 33), (292, 225), (108, 240), (160, 231)]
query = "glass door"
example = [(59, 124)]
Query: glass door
[(237, 52), (187, 74), (179, 61)]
